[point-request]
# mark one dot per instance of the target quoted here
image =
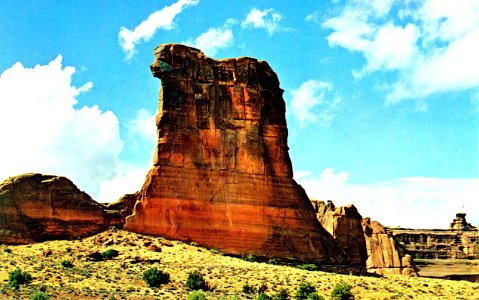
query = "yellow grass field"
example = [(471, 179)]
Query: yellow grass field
[(121, 277)]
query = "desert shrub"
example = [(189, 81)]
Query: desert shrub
[(315, 296), (195, 281), (249, 257), (341, 291), (308, 267), (304, 290), (110, 253), (154, 277), (18, 277), (66, 264), (273, 261), (263, 296), (197, 295), (262, 288), (8, 250), (248, 289), (39, 296), (216, 251), (281, 295)]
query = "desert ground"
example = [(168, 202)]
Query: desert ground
[(121, 277)]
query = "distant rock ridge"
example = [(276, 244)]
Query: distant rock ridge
[(36, 207), (460, 241), (221, 174)]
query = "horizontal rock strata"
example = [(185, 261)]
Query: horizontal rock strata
[(222, 176), (36, 207)]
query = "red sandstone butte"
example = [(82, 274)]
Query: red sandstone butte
[(221, 174), (36, 207)]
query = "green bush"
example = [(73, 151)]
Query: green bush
[(315, 296), (197, 295), (308, 267), (263, 296), (66, 264), (249, 257), (304, 290), (154, 277), (18, 277), (195, 281), (109, 254), (39, 296), (281, 295), (8, 250), (341, 291)]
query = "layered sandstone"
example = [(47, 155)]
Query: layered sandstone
[(460, 241), (36, 207), (222, 176), (344, 224), (385, 255)]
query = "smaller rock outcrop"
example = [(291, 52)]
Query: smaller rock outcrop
[(344, 224), (36, 207), (460, 224), (365, 242), (385, 255)]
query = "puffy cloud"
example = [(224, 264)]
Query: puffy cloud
[(429, 43), (42, 130), (267, 19), (128, 180), (414, 202), (214, 39), (161, 19), (143, 126), (314, 102)]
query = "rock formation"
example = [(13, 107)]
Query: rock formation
[(36, 207), (460, 241), (222, 176), (385, 255), (460, 224), (365, 242), (344, 224)]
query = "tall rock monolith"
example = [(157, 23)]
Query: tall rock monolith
[(221, 175)]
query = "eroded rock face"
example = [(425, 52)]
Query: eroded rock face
[(222, 175), (385, 255), (36, 207), (344, 224)]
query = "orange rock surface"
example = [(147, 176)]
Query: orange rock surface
[(344, 224), (36, 207), (385, 255), (222, 176)]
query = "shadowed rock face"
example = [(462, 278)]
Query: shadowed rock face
[(222, 175), (344, 224), (36, 207)]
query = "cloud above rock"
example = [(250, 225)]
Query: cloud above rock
[(44, 130), (427, 46)]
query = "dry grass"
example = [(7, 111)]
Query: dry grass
[(121, 277)]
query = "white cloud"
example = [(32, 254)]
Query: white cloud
[(430, 44), (42, 131), (143, 126), (314, 102), (267, 19), (213, 40), (128, 180), (161, 19), (414, 202)]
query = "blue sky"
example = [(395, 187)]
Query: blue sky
[(382, 96)]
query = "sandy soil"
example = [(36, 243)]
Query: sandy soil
[(121, 277)]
